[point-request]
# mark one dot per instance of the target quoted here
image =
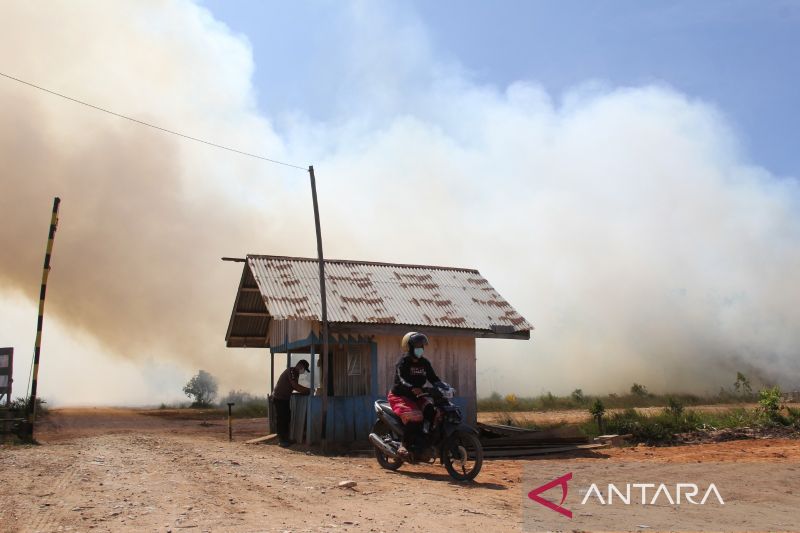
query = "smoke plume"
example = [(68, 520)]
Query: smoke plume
[(625, 223)]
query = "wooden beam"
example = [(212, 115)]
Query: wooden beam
[(247, 342), (251, 313)]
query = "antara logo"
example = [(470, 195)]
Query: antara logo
[(661, 492), (683, 492), (562, 481)]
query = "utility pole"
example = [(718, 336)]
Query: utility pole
[(43, 290), (323, 302)]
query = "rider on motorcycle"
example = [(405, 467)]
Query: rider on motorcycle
[(411, 373)]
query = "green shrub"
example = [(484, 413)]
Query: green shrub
[(770, 400), (22, 405), (246, 405), (793, 416), (674, 407)]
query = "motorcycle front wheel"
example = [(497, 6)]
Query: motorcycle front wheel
[(389, 463), (462, 455)]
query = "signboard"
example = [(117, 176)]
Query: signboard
[(6, 374)]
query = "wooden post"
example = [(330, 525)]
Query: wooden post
[(271, 371), (310, 395), (230, 425), (322, 295), (42, 291)]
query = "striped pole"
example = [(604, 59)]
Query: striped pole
[(38, 346)]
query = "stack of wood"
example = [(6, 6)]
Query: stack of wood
[(511, 441)]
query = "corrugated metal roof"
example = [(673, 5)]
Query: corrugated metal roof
[(382, 293)]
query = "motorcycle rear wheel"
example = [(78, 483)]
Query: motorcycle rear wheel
[(389, 463), (463, 456)]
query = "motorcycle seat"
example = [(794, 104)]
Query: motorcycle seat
[(387, 409)]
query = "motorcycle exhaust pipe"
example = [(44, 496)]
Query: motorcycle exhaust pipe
[(382, 446)]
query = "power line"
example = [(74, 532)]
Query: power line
[(149, 125)]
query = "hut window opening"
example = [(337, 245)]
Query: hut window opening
[(353, 363)]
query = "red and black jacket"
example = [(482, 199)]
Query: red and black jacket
[(410, 374)]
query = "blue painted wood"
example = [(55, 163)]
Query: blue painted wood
[(358, 416), (290, 346), (350, 418), (339, 421), (350, 424), (363, 417), (331, 422), (373, 361), (316, 413)]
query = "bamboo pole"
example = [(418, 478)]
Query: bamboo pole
[(40, 322)]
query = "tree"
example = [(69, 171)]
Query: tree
[(202, 388), (578, 397), (239, 397), (597, 410), (742, 385)]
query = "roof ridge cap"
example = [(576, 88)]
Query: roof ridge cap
[(355, 262)]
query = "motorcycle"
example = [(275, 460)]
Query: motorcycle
[(445, 437)]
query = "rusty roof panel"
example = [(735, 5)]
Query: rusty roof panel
[(382, 293)]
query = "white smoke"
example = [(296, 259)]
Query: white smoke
[(625, 223)]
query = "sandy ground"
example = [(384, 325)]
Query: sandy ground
[(122, 470)]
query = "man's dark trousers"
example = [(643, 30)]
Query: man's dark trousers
[(282, 417)]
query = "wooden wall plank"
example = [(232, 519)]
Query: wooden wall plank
[(294, 330)]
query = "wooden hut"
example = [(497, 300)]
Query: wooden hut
[(370, 307)]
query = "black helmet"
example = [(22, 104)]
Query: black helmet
[(413, 340)]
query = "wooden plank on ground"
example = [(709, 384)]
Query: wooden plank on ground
[(541, 450), (510, 435), (267, 439)]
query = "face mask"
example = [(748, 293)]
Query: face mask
[(419, 351)]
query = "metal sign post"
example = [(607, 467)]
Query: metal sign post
[(6, 374)]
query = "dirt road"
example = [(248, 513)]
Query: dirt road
[(121, 470)]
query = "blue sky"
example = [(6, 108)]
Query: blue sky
[(738, 56)]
